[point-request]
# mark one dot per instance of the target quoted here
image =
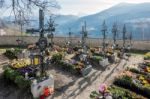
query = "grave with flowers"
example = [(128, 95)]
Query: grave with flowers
[(114, 92), (29, 71)]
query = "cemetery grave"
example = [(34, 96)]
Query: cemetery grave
[(73, 69), (133, 82)]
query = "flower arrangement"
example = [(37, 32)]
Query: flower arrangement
[(25, 70), (144, 81), (16, 77), (102, 88), (147, 69), (140, 84), (114, 92), (109, 51), (20, 63), (147, 56), (126, 73)]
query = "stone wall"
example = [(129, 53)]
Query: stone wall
[(93, 42)]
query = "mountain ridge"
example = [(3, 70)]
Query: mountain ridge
[(124, 13)]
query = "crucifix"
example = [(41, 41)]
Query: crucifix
[(104, 31), (114, 32), (130, 41), (130, 38), (124, 36), (42, 42), (51, 28), (84, 36), (70, 38)]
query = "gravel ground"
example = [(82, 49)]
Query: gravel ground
[(69, 86)]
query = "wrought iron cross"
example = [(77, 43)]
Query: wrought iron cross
[(51, 28), (84, 37), (84, 34), (124, 35), (42, 43), (114, 32), (41, 29), (104, 31), (70, 37)]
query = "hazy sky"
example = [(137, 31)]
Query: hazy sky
[(85, 7), (82, 7)]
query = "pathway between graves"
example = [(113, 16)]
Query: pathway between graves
[(81, 88)]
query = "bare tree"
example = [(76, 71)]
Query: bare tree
[(26, 7)]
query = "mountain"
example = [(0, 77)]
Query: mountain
[(63, 19), (135, 16), (34, 21)]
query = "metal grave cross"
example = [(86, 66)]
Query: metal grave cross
[(42, 43), (51, 29), (84, 37), (104, 31), (41, 29)]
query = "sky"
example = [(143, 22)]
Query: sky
[(81, 7), (87, 7)]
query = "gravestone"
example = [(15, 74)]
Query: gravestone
[(104, 62), (86, 70)]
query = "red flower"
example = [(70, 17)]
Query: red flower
[(42, 97)]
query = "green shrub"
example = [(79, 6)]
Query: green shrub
[(134, 70), (10, 74), (137, 71), (67, 67), (15, 77), (97, 58), (127, 83), (57, 57), (119, 92), (22, 82), (17, 50), (95, 95), (10, 54)]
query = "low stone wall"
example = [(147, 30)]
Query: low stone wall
[(93, 42)]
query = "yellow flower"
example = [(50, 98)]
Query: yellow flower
[(148, 70), (145, 82), (146, 85), (141, 78)]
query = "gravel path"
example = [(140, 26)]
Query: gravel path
[(81, 88)]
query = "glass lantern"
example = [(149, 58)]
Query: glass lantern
[(35, 60)]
